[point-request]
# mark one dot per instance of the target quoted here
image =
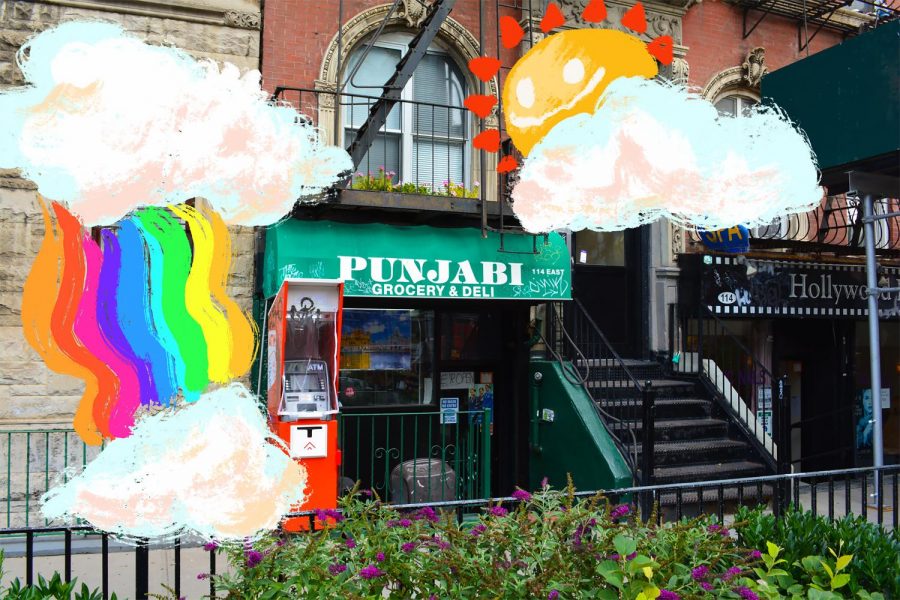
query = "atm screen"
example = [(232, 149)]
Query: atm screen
[(306, 387)]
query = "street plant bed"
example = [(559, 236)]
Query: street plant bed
[(547, 545)]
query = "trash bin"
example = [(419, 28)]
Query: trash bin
[(422, 480)]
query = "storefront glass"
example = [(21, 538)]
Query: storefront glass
[(386, 357)]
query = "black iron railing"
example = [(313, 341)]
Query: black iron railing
[(589, 359), (423, 148), (739, 381), (835, 226), (830, 493)]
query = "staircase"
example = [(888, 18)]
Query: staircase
[(694, 438), (697, 437)]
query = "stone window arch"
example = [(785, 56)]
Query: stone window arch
[(452, 38), (739, 82)]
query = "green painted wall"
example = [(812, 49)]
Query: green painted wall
[(575, 441), (846, 98)]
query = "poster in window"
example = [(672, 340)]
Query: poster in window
[(378, 340), (481, 397)]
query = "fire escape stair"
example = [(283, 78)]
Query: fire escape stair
[(379, 111)]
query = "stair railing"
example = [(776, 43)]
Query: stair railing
[(739, 381), (590, 361)]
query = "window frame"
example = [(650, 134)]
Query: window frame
[(408, 132)]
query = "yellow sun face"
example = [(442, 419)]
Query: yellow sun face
[(565, 74)]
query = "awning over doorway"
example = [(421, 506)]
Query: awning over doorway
[(417, 261)]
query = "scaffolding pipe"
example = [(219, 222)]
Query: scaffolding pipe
[(874, 341)]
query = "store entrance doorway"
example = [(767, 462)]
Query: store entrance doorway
[(606, 279)]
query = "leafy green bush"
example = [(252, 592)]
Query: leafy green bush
[(549, 545), (55, 589), (876, 552), (383, 181)]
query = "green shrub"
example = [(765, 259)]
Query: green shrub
[(383, 181), (876, 552)]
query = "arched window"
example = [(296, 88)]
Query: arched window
[(426, 137), (735, 104)]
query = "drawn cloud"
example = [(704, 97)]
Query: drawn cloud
[(653, 150), (109, 122), (212, 468)]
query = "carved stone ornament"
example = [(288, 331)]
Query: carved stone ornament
[(681, 71), (327, 91), (414, 11), (242, 20), (658, 23), (754, 67)]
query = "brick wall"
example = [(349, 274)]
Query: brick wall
[(714, 35), (296, 34)]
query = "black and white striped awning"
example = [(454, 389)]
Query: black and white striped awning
[(769, 288)]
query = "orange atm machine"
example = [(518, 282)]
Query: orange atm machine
[(303, 348)]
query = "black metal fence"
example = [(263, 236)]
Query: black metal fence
[(835, 225), (867, 492)]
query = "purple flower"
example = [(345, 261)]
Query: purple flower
[(370, 572), (755, 555), (366, 493), (699, 572), (731, 573), (631, 556), (478, 529), (521, 495), (706, 586), (498, 511), (253, 558), (619, 511), (335, 568), (545, 483), (553, 595), (668, 595), (746, 593), (350, 543), (380, 557), (614, 557), (408, 547), (405, 523), (210, 546), (428, 514), (324, 515), (202, 576)]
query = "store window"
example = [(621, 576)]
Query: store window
[(426, 138), (386, 357), (600, 248), (469, 337)]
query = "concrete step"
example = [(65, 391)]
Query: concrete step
[(698, 452), (666, 408), (708, 472), (666, 430)]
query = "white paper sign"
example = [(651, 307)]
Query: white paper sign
[(457, 380), (449, 411), (309, 441), (270, 358)]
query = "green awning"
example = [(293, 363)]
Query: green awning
[(846, 98), (377, 260)]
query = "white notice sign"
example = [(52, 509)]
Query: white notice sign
[(309, 441), (457, 380)]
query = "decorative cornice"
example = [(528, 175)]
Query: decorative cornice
[(176, 10)]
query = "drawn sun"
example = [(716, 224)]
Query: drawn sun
[(563, 75)]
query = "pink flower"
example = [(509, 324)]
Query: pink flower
[(380, 557), (731, 573), (210, 546), (350, 543), (668, 595), (370, 572), (746, 593), (478, 529), (521, 495), (253, 558), (755, 555), (699, 572), (408, 547), (706, 586), (619, 511), (553, 595), (336, 568), (498, 511)]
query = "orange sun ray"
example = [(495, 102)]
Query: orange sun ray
[(507, 164), (594, 12), (553, 18), (484, 67), (488, 140), (511, 33), (480, 105), (662, 48), (635, 19)]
